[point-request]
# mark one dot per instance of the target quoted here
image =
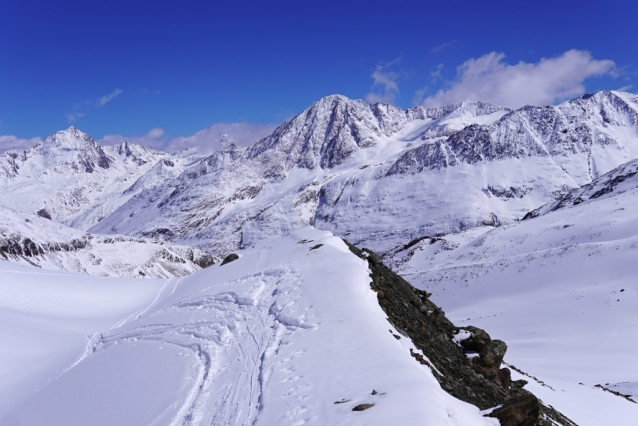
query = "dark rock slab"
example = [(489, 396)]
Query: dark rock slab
[(230, 258)]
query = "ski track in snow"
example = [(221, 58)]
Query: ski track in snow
[(230, 341)]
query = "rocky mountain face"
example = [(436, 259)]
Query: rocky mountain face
[(376, 174), (382, 176), (577, 135)]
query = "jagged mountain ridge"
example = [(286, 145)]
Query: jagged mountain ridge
[(37, 241), (618, 181), (576, 128), (376, 174), (73, 179), (382, 176)]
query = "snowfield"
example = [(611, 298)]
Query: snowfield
[(560, 289), (275, 337)]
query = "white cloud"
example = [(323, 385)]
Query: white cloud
[(625, 88), (206, 140), (107, 98), (72, 117), (80, 109), (11, 141), (385, 87), (445, 47), (489, 79)]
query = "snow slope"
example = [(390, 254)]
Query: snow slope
[(560, 289), (33, 240), (275, 337), (381, 176), (45, 318)]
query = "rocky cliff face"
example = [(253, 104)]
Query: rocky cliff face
[(573, 134)]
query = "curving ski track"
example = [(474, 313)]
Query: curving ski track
[(229, 335)]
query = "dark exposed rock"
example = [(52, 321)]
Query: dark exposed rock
[(519, 411), (504, 377), (204, 260), (491, 357), (477, 340), (231, 257), (518, 384), (413, 314), (316, 247), (362, 407), (43, 213)]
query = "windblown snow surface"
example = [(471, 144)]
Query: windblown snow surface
[(273, 338)]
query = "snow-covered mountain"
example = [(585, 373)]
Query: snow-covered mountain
[(298, 325), (72, 179), (382, 177), (37, 241)]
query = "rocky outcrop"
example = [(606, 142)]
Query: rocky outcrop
[(519, 411), (478, 380)]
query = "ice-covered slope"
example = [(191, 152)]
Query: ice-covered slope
[(382, 176), (276, 337), (560, 289), (33, 240), (75, 180)]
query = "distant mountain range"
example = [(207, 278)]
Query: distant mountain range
[(375, 174)]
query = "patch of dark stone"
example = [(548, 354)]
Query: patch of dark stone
[(316, 247), (28, 248), (536, 379), (230, 258), (203, 261), (362, 407), (43, 213), (479, 380), (627, 397)]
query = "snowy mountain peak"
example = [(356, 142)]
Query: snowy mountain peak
[(74, 148)]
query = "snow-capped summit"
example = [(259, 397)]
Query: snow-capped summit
[(75, 179)]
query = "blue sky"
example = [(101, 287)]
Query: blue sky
[(169, 72)]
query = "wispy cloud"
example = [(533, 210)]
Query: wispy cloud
[(625, 88), (80, 110), (385, 86), (205, 141), (446, 47), (72, 117), (435, 74), (11, 142), (490, 79), (107, 98)]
